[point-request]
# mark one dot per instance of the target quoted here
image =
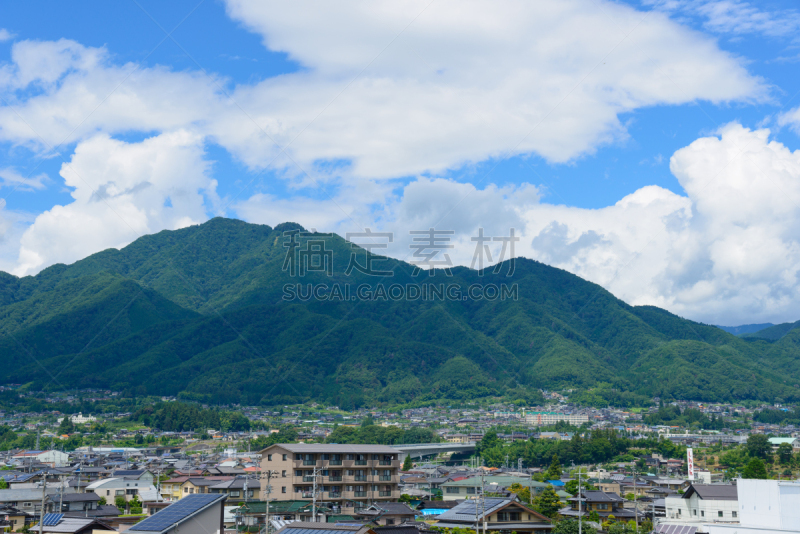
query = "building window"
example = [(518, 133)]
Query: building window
[(283, 489), (186, 490), (695, 512), (191, 490), (284, 457), (508, 516), (269, 457), (719, 514), (452, 490), (283, 473), (733, 514), (470, 491), (234, 493), (390, 521)]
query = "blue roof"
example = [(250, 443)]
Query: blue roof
[(177, 512), (555, 482)]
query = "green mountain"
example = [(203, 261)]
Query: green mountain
[(773, 333), (201, 312), (745, 329)]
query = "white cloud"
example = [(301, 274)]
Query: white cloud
[(459, 84), (728, 252), (462, 85), (10, 177), (735, 16), (121, 191), (5, 35)]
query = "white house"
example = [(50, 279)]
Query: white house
[(51, 458), (704, 503), (111, 488)]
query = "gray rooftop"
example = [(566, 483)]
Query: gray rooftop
[(333, 448)]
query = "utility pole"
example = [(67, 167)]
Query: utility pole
[(314, 497), (269, 474), (635, 507), (580, 513), (41, 512)]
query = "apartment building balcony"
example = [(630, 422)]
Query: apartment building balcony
[(334, 462), (308, 478), (360, 462), (384, 494), (358, 494), (385, 478), (334, 494), (361, 478), (335, 479), (309, 462), (385, 462)]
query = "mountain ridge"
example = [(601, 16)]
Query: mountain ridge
[(200, 312)]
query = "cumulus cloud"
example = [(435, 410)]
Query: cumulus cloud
[(121, 191), (393, 90), (727, 252), (5, 35), (442, 87)]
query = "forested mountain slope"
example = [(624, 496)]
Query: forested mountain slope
[(200, 312)]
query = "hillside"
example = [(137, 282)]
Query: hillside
[(200, 312)]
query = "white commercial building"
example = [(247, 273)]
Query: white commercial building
[(765, 507), (551, 418)]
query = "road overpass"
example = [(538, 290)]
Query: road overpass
[(425, 450)]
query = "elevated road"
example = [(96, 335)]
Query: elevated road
[(425, 450)]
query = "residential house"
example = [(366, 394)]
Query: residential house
[(235, 489), (179, 487), (303, 527), (28, 501), (705, 502), (111, 488), (59, 524), (605, 504), (193, 513), (495, 515), (469, 488), (387, 513), (776, 442), (79, 502)]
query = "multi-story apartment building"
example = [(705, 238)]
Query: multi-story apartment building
[(351, 476), (551, 418)]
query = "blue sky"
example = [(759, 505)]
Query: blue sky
[(418, 115)]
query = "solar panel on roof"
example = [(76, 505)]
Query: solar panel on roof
[(312, 531), (176, 512), (51, 520)]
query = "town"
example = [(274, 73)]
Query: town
[(159, 466)]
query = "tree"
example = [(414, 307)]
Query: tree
[(66, 426), (3, 483), (594, 516), (758, 446), (554, 471), (136, 505), (489, 441), (570, 526), (407, 465), (405, 498), (785, 453), (547, 502), (102, 501), (120, 502), (755, 469), (523, 492)]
